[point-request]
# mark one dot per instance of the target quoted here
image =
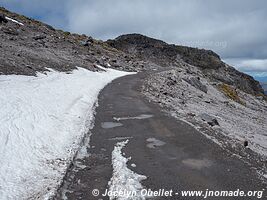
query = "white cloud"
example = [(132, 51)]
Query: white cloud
[(235, 29), (258, 74), (249, 65)]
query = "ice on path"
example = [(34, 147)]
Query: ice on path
[(124, 179)]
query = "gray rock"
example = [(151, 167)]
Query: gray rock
[(3, 18), (195, 82), (39, 37), (171, 81), (88, 42), (212, 121), (260, 97), (85, 43), (10, 31)]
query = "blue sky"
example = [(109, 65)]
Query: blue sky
[(236, 29)]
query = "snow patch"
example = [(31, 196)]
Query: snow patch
[(120, 138), (15, 21), (133, 165), (124, 179), (43, 120)]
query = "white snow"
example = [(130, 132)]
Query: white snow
[(15, 21), (120, 138), (133, 165), (42, 122), (123, 179)]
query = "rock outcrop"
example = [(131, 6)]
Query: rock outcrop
[(3, 18), (169, 55)]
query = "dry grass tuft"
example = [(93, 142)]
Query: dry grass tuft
[(231, 93)]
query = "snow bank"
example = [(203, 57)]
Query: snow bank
[(123, 179), (42, 121), (15, 21)]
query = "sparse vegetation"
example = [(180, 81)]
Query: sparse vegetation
[(230, 92), (108, 47), (66, 33)]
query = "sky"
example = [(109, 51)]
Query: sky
[(235, 29)]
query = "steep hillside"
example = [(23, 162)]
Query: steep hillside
[(167, 55), (28, 46)]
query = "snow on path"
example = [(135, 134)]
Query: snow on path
[(124, 180), (42, 121)]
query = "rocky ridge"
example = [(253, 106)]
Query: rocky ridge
[(169, 55), (30, 46)]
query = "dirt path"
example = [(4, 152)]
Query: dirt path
[(183, 159)]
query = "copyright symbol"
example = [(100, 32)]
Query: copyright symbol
[(95, 192)]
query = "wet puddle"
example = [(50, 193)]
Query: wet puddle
[(197, 163), (142, 116), (153, 143), (110, 124)]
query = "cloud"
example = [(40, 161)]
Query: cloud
[(258, 66), (233, 29)]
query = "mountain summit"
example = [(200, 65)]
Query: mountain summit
[(167, 55)]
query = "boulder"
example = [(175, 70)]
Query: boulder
[(171, 81), (39, 37), (195, 82), (10, 31), (212, 121), (87, 42), (3, 18)]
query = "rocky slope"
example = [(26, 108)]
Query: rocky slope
[(167, 55), (28, 46)]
